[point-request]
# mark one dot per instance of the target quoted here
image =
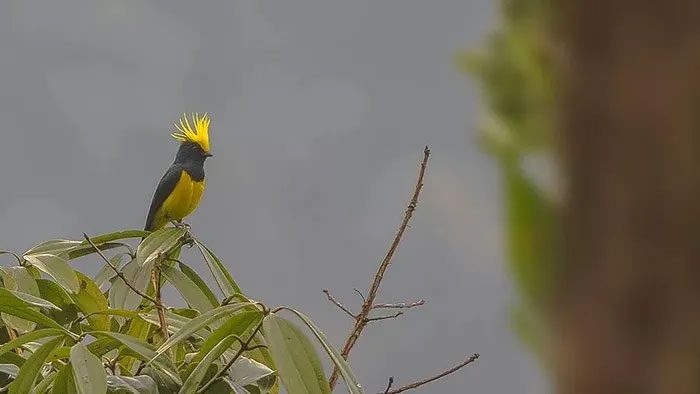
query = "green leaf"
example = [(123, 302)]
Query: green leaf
[(221, 275), (142, 384), (30, 337), (175, 322), (89, 375), (64, 382), (102, 346), (52, 292), (145, 352), (246, 371), (20, 299), (225, 386), (106, 272), (159, 243), (237, 325), (200, 322), (351, 381), (57, 268), (12, 358), (10, 370), (297, 362), (19, 278), (138, 328), (89, 299), (31, 368), (189, 291), (200, 370), (54, 247), (194, 277), (103, 242), (12, 305), (120, 295)]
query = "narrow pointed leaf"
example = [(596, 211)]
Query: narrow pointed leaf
[(103, 242), (30, 337), (54, 247), (30, 370), (221, 275), (120, 295), (237, 325), (189, 291), (10, 370), (106, 272), (246, 371), (200, 322), (88, 373), (64, 382), (142, 384), (19, 278), (351, 381), (89, 299), (57, 268), (12, 304), (145, 352), (20, 299), (159, 243), (297, 362), (175, 322), (197, 375), (194, 277)]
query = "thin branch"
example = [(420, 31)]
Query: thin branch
[(120, 274), (338, 304), (401, 305), (394, 316), (155, 278), (391, 383), (423, 382), (360, 294), (361, 319)]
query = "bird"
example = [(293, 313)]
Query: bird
[(180, 189)]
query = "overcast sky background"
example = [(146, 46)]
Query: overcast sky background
[(320, 110)]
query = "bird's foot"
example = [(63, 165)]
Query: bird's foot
[(180, 224)]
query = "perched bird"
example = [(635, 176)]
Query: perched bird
[(182, 186)]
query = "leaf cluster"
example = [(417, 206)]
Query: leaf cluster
[(65, 332)]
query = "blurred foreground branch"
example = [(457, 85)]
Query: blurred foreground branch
[(363, 317)]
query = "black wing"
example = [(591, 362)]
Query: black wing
[(165, 187)]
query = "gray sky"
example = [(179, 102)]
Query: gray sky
[(320, 111)]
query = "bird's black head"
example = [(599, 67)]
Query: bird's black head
[(192, 152)]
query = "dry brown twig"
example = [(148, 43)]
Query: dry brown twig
[(362, 319), (423, 382)]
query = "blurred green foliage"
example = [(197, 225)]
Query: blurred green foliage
[(515, 72)]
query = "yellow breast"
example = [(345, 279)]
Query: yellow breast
[(183, 200)]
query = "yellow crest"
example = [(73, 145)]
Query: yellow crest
[(199, 134)]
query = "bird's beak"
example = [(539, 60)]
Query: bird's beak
[(208, 155)]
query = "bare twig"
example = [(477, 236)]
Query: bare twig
[(394, 316), (401, 305), (391, 383), (423, 382), (120, 274), (360, 294), (361, 318), (338, 304), (155, 278)]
